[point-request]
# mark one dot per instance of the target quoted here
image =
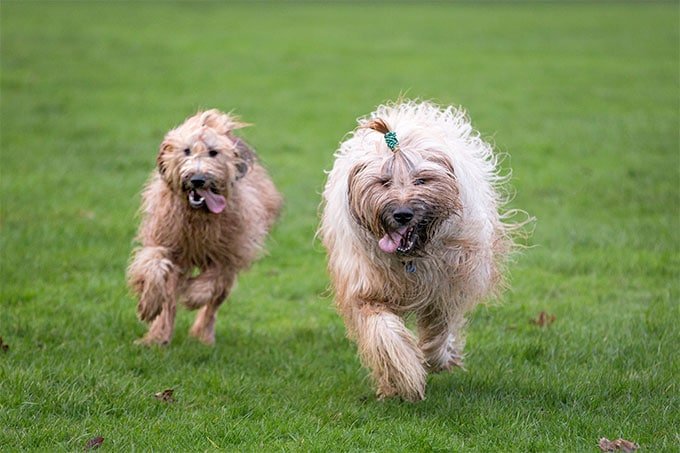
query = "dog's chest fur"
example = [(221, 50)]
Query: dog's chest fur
[(197, 237), (209, 237), (442, 276), (413, 284)]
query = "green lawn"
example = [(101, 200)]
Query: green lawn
[(583, 97)]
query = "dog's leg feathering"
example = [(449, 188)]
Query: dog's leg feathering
[(390, 351), (149, 276), (208, 291), (153, 277), (160, 331), (441, 341)]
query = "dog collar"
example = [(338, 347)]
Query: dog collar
[(410, 267)]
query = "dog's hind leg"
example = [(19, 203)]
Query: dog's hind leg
[(390, 351), (208, 291), (153, 277), (441, 340)]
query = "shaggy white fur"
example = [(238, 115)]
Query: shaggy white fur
[(438, 264)]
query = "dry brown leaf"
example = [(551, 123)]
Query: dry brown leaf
[(165, 395), (94, 443), (618, 445), (4, 347), (544, 319), (89, 215)]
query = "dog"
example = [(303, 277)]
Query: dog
[(206, 211), (411, 219)]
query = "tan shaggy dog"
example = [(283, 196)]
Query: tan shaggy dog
[(206, 211), (411, 223)]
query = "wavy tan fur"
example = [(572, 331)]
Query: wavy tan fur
[(193, 255)]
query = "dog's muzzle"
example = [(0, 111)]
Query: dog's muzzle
[(401, 232), (201, 195), (401, 241)]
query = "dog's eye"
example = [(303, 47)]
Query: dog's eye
[(385, 182), (419, 182), (187, 151), (213, 153)]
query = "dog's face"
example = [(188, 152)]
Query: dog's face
[(201, 159), (403, 198)]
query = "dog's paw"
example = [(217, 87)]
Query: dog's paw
[(412, 391), (148, 340), (454, 361), (204, 335), (412, 395), (448, 359), (385, 391)]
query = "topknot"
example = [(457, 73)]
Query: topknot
[(377, 124)]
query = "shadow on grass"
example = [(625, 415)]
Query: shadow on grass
[(313, 369)]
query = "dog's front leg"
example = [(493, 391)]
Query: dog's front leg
[(441, 340), (160, 331), (153, 277), (390, 351), (208, 291)]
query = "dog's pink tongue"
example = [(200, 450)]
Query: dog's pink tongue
[(387, 244), (216, 203)]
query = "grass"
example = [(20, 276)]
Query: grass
[(584, 97)]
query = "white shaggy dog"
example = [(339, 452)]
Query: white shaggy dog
[(412, 225)]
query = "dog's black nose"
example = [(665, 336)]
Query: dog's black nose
[(403, 215), (197, 180)]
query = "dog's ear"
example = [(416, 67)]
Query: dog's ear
[(354, 171), (245, 157), (351, 189), (160, 160)]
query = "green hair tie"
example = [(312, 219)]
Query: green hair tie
[(391, 140)]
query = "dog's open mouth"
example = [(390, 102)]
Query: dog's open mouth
[(401, 241), (208, 198)]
